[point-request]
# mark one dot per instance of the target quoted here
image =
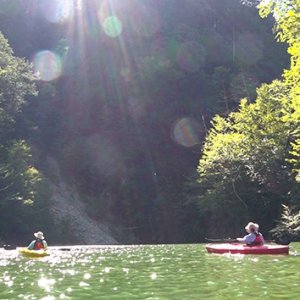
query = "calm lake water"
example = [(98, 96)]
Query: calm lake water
[(152, 272)]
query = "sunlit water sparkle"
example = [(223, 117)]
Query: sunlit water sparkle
[(149, 272)]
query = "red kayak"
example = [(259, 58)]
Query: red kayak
[(235, 248)]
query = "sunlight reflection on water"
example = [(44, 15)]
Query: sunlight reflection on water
[(147, 272)]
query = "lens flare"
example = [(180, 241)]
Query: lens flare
[(186, 132), (47, 65), (112, 26), (145, 21), (57, 11), (190, 56)]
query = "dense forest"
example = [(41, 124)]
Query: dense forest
[(170, 122)]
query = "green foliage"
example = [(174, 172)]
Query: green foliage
[(16, 79), (254, 139), (288, 228), (249, 152), (20, 181), (16, 82), (290, 219), (18, 177), (287, 17)]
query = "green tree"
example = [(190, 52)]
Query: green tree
[(248, 159), (288, 229), (19, 179), (287, 17)]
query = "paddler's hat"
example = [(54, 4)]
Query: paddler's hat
[(251, 227), (39, 235)]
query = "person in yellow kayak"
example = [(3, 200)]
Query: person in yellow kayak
[(253, 238), (39, 242)]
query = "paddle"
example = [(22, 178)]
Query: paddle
[(9, 247), (228, 240)]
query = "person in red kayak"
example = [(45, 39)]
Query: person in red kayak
[(253, 238), (38, 243)]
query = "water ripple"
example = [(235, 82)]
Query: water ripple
[(148, 272)]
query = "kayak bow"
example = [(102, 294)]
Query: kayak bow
[(33, 253), (235, 248)]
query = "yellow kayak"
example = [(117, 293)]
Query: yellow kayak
[(33, 253)]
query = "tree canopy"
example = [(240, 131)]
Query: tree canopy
[(251, 157), (19, 178), (287, 16)]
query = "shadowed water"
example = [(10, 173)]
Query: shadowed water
[(153, 272)]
